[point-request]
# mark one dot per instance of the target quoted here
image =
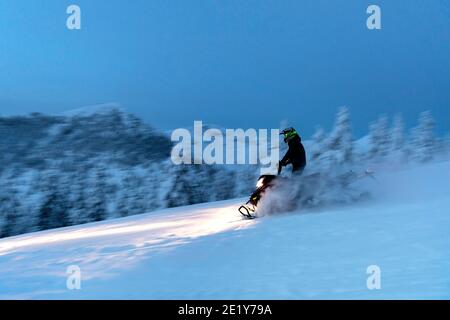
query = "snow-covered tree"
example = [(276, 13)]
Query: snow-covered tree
[(446, 145), (338, 149), (219, 184), (98, 210), (423, 142), (180, 193), (318, 144), (152, 188), (135, 193), (397, 135), (10, 211), (379, 138), (122, 207), (53, 212), (79, 208)]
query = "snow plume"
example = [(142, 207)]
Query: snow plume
[(314, 190)]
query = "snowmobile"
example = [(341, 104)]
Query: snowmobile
[(306, 197), (264, 183)]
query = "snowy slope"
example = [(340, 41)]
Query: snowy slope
[(208, 251)]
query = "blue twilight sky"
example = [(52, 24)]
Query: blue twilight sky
[(234, 63)]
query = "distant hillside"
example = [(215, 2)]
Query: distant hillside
[(93, 164), (38, 140)]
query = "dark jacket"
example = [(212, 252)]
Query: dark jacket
[(295, 155)]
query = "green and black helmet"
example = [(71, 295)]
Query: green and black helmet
[(288, 134)]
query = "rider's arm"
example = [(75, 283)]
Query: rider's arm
[(286, 159)]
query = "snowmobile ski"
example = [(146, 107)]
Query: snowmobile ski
[(247, 211)]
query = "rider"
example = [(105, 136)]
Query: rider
[(296, 153)]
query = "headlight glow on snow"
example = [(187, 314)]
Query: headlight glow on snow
[(259, 184)]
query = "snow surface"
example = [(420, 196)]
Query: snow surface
[(207, 251)]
